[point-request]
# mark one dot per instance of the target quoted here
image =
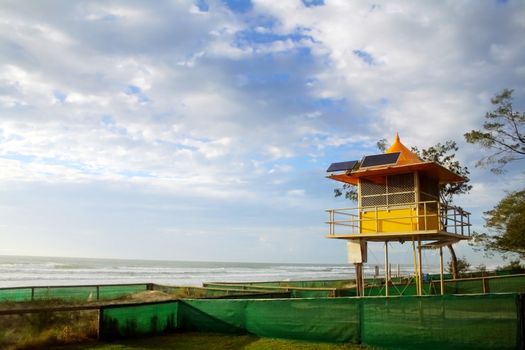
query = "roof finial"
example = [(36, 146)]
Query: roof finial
[(406, 156)]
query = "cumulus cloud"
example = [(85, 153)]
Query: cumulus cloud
[(127, 87), (427, 67), (242, 103)]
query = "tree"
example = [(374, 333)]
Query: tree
[(503, 132), (506, 222), (445, 155), (513, 266), (505, 135), (461, 266)]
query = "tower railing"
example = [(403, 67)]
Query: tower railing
[(428, 216)]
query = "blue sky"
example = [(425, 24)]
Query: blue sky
[(201, 130)]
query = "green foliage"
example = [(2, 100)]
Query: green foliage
[(506, 222), (462, 266), (350, 192), (503, 132), (513, 266), (481, 268), (382, 145), (445, 155)]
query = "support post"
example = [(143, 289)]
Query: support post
[(441, 282), (415, 266), (420, 266), (386, 268), (359, 279), (362, 281)]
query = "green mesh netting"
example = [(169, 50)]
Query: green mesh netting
[(79, 293), (507, 284), (114, 292), (501, 284), (295, 291), (136, 320), (333, 320), (71, 293), (429, 322), (211, 292), (441, 322), (15, 294), (300, 284)]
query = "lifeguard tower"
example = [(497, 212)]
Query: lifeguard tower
[(398, 201)]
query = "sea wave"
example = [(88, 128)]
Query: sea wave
[(29, 271)]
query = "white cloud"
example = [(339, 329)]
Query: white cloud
[(430, 61), (243, 108), (296, 193)]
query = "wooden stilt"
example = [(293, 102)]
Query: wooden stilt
[(420, 266), (415, 266), (359, 279), (386, 268), (441, 283)]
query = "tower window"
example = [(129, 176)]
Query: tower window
[(388, 190)]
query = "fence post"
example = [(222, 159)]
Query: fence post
[(32, 293), (486, 288)]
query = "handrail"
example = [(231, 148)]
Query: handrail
[(428, 216)]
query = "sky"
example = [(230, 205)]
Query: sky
[(202, 130)]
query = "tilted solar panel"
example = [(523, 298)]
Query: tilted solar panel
[(380, 159), (342, 166)]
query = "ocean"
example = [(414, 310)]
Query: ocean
[(20, 271)]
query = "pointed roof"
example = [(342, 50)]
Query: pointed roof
[(406, 156), (408, 161)]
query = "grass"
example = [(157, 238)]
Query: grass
[(205, 341), (34, 330)]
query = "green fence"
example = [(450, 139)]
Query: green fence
[(77, 293), (493, 284), (217, 292), (300, 284), (443, 322), (294, 290), (115, 291), (136, 320), (429, 322)]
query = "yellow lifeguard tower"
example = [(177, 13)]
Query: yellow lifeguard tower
[(398, 201)]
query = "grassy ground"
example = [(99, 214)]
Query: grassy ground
[(22, 331), (206, 341)]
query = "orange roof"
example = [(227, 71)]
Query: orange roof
[(408, 162), (430, 168), (406, 156)]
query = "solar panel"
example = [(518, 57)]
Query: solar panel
[(380, 159), (342, 166)]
